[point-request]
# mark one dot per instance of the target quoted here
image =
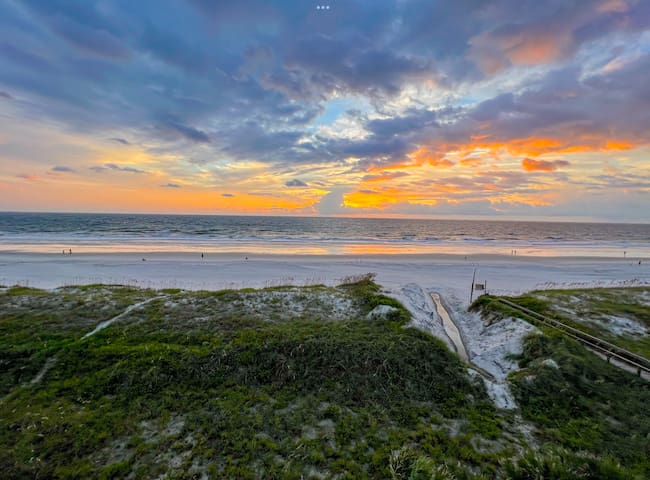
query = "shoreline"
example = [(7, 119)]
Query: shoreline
[(216, 255)]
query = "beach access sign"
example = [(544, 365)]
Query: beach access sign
[(479, 286)]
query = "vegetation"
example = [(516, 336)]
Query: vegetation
[(618, 315), (287, 383), (574, 398), (226, 392), (584, 403)]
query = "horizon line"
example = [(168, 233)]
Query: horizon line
[(470, 218)]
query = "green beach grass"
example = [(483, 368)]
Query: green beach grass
[(289, 383)]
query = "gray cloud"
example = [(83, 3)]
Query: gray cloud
[(384, 176), (171, 185), (115, 167), (187, 132), (60, 168), (412, 120), (295, 183)]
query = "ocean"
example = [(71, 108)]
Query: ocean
[(95, 233)]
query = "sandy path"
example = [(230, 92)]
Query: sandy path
[(106, 323), (450, 328), (39, 376)]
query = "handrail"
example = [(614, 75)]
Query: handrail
[(609, 349)]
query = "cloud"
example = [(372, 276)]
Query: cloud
[(27, 176), (252, 140), (171, 185), (413, 119), (354, 64), (531, 165), (261, 95), (564, 111), (187, 132), (88, 39), (295, 183), (229, 195), (115, 167), (417, 77), (60, 168), (332, 203), (381, 177), (86, 29), (551, 33), (620, 181)]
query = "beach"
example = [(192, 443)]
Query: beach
[(451, 273)]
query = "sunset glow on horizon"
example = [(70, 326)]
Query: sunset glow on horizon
[(509, 109)]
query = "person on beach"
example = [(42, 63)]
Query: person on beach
[(201, 256), (70, 251)]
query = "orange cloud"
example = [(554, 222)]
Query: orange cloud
[(518, 198), (382, 177), (534, 49), (396, 166), (531, 165), (29, 177), (425, 156), (618, 145), (471, 161), (494, 52), (536, 146)]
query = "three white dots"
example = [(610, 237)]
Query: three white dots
[(322, 7)]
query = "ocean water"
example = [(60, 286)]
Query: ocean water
[(53, 232)]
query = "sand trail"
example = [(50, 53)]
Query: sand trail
[(106, 323), (450, 328)]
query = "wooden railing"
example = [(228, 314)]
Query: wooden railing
[(609, 350)]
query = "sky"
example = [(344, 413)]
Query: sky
[(407, 108)]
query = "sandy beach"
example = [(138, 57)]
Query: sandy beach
[(503, 274)]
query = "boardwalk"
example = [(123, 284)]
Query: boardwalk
[(614, 354)]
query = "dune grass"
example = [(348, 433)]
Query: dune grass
[(590, 310), (279, 383), (577, 400), (230, 395)]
